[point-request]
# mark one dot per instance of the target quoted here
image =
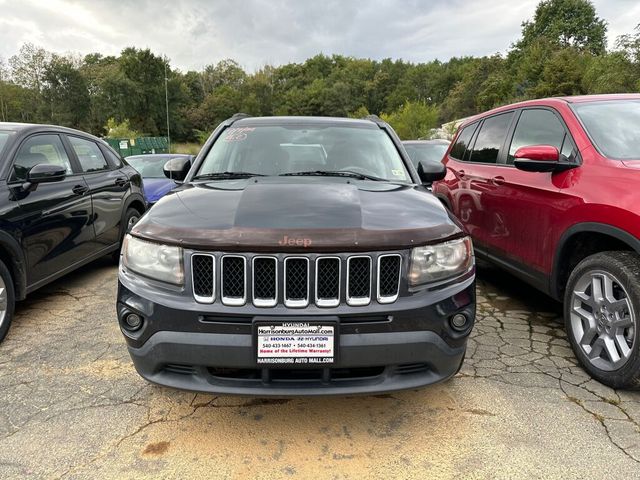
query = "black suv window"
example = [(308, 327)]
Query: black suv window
[(89, 155), (539, 127), (490, 138), (39, 149), (462, 142), (112, 157)]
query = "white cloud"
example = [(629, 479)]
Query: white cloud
[(195, 33)]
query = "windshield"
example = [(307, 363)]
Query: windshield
[(614, 126), (149, 167), (4, 138), (279, 150), (429, 152)]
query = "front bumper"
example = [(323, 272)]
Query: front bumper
[(210, 348)]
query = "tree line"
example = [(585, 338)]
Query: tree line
[(562, 50)]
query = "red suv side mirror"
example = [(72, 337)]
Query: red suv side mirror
[(540, 158)]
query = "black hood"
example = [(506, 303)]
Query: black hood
[(301, 213)]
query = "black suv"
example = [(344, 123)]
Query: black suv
[(301, 256), (67, 199)]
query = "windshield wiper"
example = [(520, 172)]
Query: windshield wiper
[(226, 175), (335, 173)]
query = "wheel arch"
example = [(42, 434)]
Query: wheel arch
[(134, 201), (13, 257), (581, 240)]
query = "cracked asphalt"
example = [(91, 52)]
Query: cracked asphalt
[(72, 406)]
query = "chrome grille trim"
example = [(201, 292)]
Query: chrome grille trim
[(358, 301), (328, 302), (264, 302), (295, 303), (233, 301), (388, 298), (199, 298)]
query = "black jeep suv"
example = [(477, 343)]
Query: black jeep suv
[(66, 199), (301, 256)]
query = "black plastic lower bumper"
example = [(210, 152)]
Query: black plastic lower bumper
[(380, 348), (369, 363)]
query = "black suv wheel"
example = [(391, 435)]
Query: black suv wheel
[(602, 308)]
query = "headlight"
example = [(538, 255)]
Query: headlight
[(153, 260), (438, 262)]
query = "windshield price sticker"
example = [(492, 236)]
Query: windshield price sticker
[(237, 134), (295, 343)]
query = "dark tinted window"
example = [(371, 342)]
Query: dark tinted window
[(429, 152), (114, 159), (537, 127), (462, 142), (39, 149), (89, 155), (490, 137)]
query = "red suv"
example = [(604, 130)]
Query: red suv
[(550, 190)]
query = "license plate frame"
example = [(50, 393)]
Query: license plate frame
[(296, 360)]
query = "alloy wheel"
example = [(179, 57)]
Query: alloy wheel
[(3, 301), (603, 321), (132, 221)]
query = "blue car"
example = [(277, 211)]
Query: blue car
[(156, 185)]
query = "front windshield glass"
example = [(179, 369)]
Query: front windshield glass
[(613, 125), (429, 152), (149, 167), (282, 149)]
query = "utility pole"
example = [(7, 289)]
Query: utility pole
[(166, 100)]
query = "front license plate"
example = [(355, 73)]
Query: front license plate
[(295, 343)]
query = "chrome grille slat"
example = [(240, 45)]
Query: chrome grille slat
[(359, 280), (296, 282), (327, 282), (203, 277), (388, 277), (265, 281), (233, 280)]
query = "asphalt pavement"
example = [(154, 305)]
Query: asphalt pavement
[(72, 406)]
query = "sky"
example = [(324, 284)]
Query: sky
[(195, 33)]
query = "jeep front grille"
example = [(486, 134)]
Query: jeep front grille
[(295, 281)]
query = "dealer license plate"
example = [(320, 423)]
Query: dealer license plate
[(295, 343)]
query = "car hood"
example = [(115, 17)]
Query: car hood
[(156, 188), (298, 214)]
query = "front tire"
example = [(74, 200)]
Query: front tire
[(602, 316), (7, 300), (131, 217)]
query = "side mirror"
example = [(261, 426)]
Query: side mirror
[(177, 168), (540, 158), (45, 173), (430, 172)]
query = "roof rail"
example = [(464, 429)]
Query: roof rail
[(238, 116), (375, 119)]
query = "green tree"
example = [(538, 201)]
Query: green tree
[(66, 93), (567, 23), (413, 120), (122, 129)]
